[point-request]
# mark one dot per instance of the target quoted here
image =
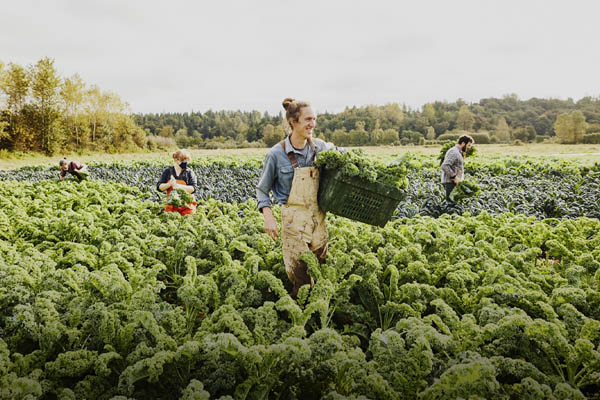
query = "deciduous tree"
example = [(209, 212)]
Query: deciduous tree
[(14, 84), (563, 128), (430, 133), (502, 131), (579, 126), (465, 119), (72, 94), (44, 94), (273, 134)]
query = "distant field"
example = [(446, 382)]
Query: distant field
[(584, 154), (581, 152)]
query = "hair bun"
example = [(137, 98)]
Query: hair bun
[(287, 101)]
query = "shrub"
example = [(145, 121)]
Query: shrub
[(160, 143), (19, 155), (251, 145), (220, 143), (444, 137), (592, 138), (481, 137)]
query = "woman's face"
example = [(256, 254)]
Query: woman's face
[(306, 123)]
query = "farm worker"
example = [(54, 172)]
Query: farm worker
[(75, 168), (179, 176), (453, 166), (289, 173)]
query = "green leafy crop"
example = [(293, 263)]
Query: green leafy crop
[(104, 296), (179, 198), (465, 189), (356, 163)]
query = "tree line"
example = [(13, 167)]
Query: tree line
[(493, 120), (44, 112), (41, 111)]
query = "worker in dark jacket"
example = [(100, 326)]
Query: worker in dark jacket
[(179, 176)]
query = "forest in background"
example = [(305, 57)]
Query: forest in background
[(43, 112), (490, 120)]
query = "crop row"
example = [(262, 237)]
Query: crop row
[(569, 196), (543, 189), (226, 182), (104, 295)]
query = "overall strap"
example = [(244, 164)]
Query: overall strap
[(314, 148), (290, 155)]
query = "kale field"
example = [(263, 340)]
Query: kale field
[(105, 296)]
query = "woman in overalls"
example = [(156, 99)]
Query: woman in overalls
[(179, 176), (289, 173)]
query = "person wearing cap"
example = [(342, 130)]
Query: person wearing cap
[(289, 173)]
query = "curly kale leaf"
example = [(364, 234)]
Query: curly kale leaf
[(356, 163), (465, 189), (179, 198)]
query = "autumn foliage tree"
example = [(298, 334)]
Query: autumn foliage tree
[(570, 128), (41, 111)]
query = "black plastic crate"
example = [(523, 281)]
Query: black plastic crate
[(356, 198)]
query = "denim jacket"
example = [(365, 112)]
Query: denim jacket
[(278, 171)]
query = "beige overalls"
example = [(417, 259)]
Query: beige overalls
[(303, 224)]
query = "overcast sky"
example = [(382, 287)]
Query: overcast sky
[(199, 55)]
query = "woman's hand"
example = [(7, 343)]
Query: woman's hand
[(173, 183), (270, 223)]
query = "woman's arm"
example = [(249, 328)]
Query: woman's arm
[(166, 180), (188, 188), (164, 186), (263, 188)]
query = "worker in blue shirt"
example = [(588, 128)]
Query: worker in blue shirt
[(289, 172)]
